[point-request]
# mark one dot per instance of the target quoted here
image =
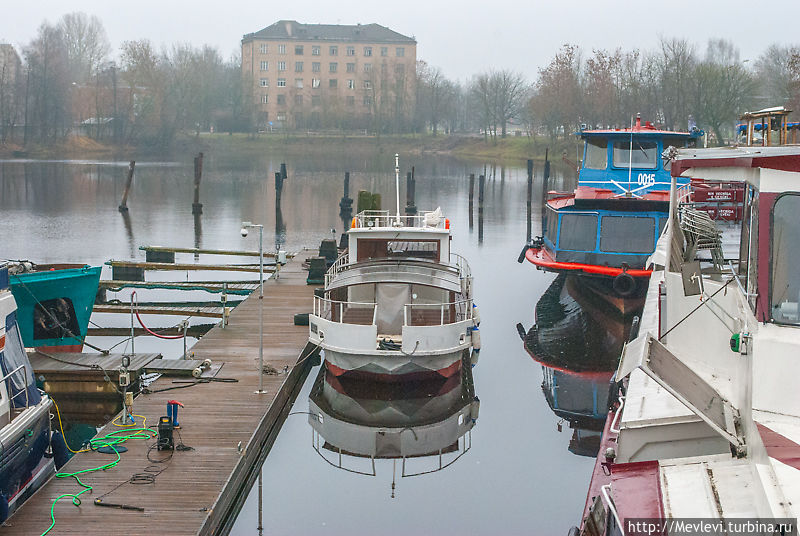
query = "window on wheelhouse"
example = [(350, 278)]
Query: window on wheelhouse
[(748, 246), (596, 153), (644, 155), (551, 225), (621, 234), (578, 232), (785, 281)]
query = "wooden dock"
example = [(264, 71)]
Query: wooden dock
[(229, 426), (205, 312)]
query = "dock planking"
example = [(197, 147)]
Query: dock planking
[(229, 426)]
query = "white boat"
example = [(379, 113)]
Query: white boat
[(24, 414), (397, 305), (710, 423)]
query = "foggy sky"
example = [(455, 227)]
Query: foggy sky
[(463, 38)]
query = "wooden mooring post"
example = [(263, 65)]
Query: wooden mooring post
[(530, 196), (345, 211), (123, 205), (197, 206), (481, 191), (471, 196)]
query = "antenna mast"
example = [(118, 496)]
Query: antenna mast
[(397, 184), (630, 161)]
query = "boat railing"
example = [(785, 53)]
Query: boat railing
[(7, 376), (341, 454), (464, 445), (336, 267), (461, 263), (382, 219), (345, 312), (437, 314)]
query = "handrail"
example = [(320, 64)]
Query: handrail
[(325, 305), (382, 218), (604, 490), (617, 414), (7, 376), (467, 311)]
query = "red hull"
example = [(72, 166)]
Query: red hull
[(447, 372), (541, 258)]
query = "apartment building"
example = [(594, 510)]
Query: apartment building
[(330, 75)]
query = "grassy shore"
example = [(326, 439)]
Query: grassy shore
[(513, 149)]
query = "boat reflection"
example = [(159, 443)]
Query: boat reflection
[(577, 339), (422, 426)]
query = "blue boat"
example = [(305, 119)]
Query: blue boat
[(55, 303), (24, 414), (607, 228)]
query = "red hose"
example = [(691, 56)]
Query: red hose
[(148, 330)]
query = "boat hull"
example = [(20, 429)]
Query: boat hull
[(395, 366), (54, 306), (24, 468)]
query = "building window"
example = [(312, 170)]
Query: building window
[(351, 67), (367, 67), (333, 83), (281, 99), (264, 99), (367, 100), (281, 116), (315, 50), (298, 83), (298, 100), (263, 48), (367, 84), (332, 67), (351, 100), (333, 51), (281, 82), (401, 52), (399, 69), (265, 66), (315, 67), (298, 50), (384, 51), (316, 100), (368, 51), (281, 49), (351, 84), (351, 51), (315, 82), (264, 82), (298, 66), (281, 65)]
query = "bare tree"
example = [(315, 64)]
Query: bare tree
[(47, 106), (724, 88), (774, 76), (435, 95), (675, 64), (86, 44), (556, 102)]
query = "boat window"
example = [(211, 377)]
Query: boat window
[(552, 225), (369, 248), (596, 153), (748, 245), (643, 157), (621, 234), (578, 232), (14, 356), (662, 222), (785, 287)]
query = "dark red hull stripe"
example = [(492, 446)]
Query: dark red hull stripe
[(539, 257), (780, 447)]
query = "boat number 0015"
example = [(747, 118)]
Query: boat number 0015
[(646, 179)]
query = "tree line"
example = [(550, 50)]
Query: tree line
[(67, 81), (676, 85)]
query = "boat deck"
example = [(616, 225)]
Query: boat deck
[(229, 426)]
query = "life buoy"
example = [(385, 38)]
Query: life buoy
[(624, 284)]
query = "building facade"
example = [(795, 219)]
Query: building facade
[(330, 76)]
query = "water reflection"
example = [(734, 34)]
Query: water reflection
[(577, 338), (422, 427)]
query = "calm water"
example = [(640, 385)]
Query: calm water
[(518, 477)]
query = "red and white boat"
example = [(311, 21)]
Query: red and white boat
[(709, 423)]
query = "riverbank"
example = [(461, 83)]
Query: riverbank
[(512, 150)]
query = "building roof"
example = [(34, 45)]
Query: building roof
[(363, 33)]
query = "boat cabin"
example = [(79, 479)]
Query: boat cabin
[(619, 208)]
